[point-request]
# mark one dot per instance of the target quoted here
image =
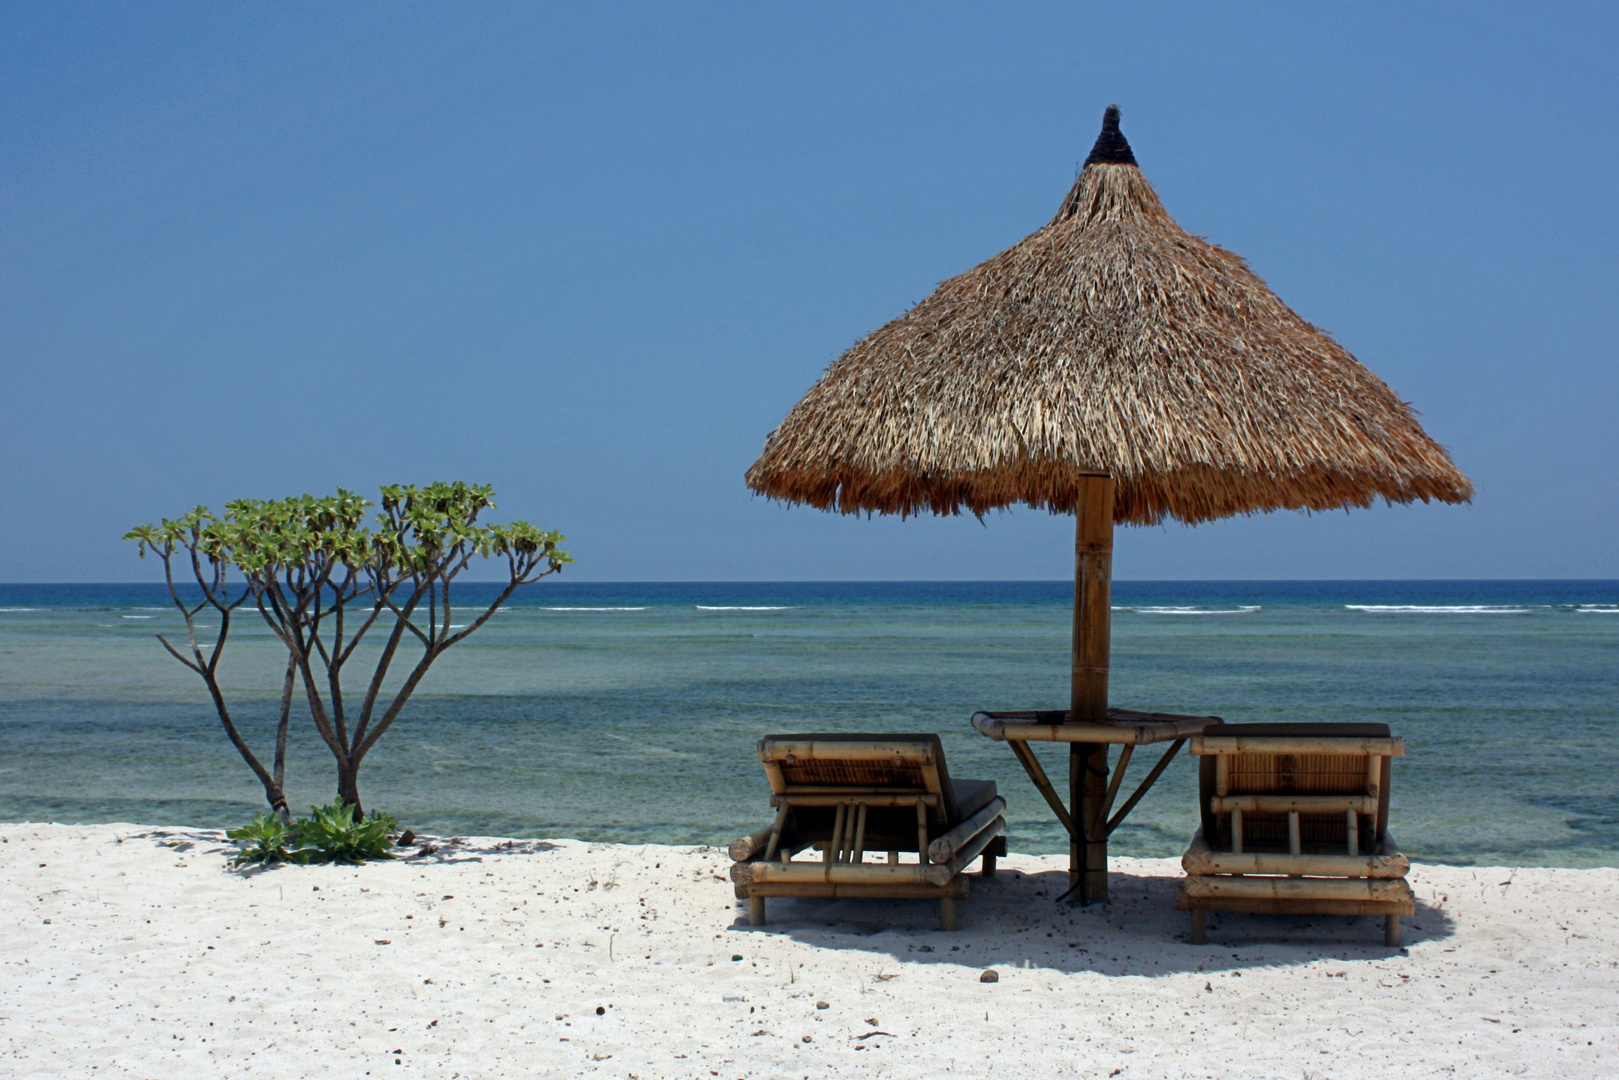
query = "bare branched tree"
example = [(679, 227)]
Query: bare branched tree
[(322, 579), (197, 539)]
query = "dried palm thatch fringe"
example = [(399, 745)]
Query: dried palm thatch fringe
[(1109, 342)]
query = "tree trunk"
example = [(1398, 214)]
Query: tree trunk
[(348, 788), (279, 805)]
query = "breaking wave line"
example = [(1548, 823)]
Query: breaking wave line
[(1438, 609), (1243, 609)]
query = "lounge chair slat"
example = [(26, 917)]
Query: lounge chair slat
[(842, 796), (826, 749), (1200, 858), (742, 850), (852, 890), (1381, 890), (944, 848), (1252, 744), (1270, 905), (1282, 804)]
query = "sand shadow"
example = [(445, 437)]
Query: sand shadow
[(208, 842), (1011, 920), (184, 840), (434, 850), (437, 850)]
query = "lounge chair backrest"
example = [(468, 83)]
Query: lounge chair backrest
[(1303, 760), (837, 763)]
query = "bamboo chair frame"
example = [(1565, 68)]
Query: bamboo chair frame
[(1295, 821), (846, 796)]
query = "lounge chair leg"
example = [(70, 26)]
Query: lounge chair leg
[(1200, 934), (947, 913), (988, 869), (756, 911), (1391, 931)]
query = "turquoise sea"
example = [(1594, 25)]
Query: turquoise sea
[(628, 712)]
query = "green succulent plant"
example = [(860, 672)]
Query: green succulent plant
[(332, 834), (264, 841)]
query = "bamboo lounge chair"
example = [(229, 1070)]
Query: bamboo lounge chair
[(849, 795), (1295, 821)]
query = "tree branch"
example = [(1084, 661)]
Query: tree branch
[(368, 705), (176, 654), (395, 706)]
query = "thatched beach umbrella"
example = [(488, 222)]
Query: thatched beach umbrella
[(1113, 366)]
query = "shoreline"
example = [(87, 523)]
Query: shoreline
[(133, 951)]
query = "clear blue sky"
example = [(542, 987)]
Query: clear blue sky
[(591, 254)]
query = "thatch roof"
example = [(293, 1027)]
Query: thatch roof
[(1111, 341)]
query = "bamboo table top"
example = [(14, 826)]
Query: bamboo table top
[(1125, 726)]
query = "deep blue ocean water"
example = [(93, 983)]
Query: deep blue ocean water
[(628, 712)]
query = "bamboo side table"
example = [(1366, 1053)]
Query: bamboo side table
[(1127, 728)]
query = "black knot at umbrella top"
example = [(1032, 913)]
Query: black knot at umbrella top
[(1111, 146), (1110, 342)]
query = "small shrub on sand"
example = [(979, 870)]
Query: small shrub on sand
[(333, 835), (263, 841), (330, 833)]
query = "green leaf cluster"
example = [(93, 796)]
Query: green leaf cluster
[(334, 835), (197, 529), (266, 536), (416, 529), (331, 833), (264, 841)]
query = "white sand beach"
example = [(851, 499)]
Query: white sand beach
[(132, 951)]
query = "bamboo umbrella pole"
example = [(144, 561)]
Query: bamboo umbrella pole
[(1093, 613)]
